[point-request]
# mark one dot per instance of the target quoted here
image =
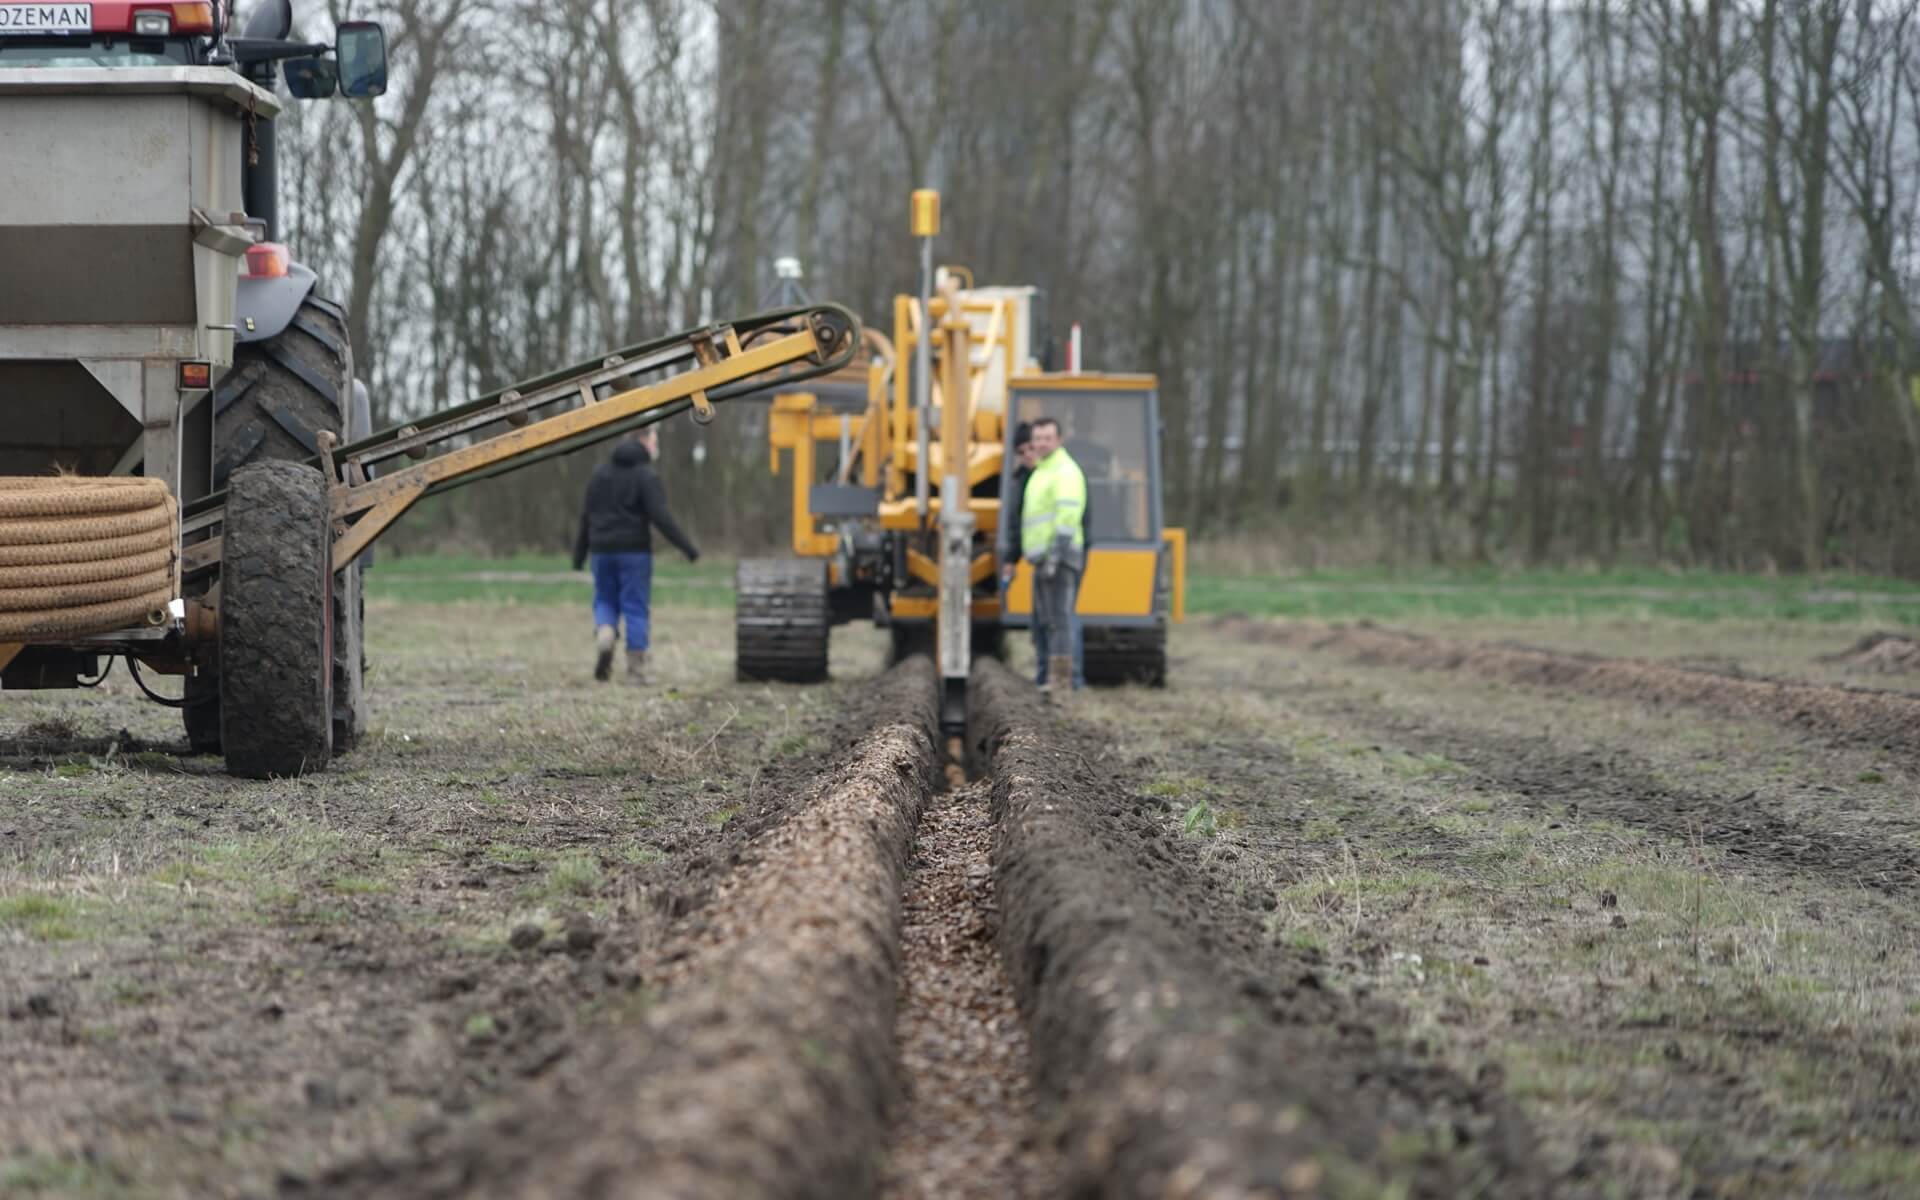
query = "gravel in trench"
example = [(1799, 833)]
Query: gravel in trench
[(968, 1127)]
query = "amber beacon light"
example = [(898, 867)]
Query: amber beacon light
[(926, 212)]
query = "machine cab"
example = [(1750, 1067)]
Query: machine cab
[(1109, 425)]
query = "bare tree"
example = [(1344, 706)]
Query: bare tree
[(1521, 278)]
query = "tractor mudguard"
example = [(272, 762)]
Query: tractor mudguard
[(263, 308)]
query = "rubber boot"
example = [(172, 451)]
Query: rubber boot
[(637, 673), (603, 653), (1060, 676)]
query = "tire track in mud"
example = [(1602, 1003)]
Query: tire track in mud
[(1620, 788), (1728, 1068), (767, 1066), (1856, 716), (1190, 1057), (1614, 783)]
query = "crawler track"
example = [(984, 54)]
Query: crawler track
[(782, 619)]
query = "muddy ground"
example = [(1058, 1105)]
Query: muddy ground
[(214, 987), (1337, 913), (1186, 1051), (761, 1062), (1839, 652), (1674, 927)]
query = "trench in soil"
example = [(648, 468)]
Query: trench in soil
[(969, 1125)]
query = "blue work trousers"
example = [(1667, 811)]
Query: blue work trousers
[(623, 586), (1056, 619)]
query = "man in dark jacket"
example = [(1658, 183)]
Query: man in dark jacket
[(1010, 511), (624, 502)]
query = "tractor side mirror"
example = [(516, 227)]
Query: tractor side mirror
[(360, 47), (312, 78)]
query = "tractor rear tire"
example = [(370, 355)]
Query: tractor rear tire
[(284, 390), (781, 619), (1117, 655), (276, 622), (280, 393)]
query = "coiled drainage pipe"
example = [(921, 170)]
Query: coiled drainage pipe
[(85, 554)]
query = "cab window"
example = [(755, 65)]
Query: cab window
[(1109, 434)]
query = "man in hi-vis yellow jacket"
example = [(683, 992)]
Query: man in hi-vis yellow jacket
[(1053, 538)]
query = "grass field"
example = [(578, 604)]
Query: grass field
[(208, 983), (1380, 595), (1400, 595), (539, 579), (1680, 937)]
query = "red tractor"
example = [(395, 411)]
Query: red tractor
[(150, 324)]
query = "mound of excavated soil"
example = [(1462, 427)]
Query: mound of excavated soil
[(766, 1066), (1190, 1055), (290, 977), (1879, 654)]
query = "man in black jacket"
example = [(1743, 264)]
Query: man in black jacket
[(1012, 508), (624, 502)]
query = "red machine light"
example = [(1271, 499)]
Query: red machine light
[(196, 376), (267, 260)]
